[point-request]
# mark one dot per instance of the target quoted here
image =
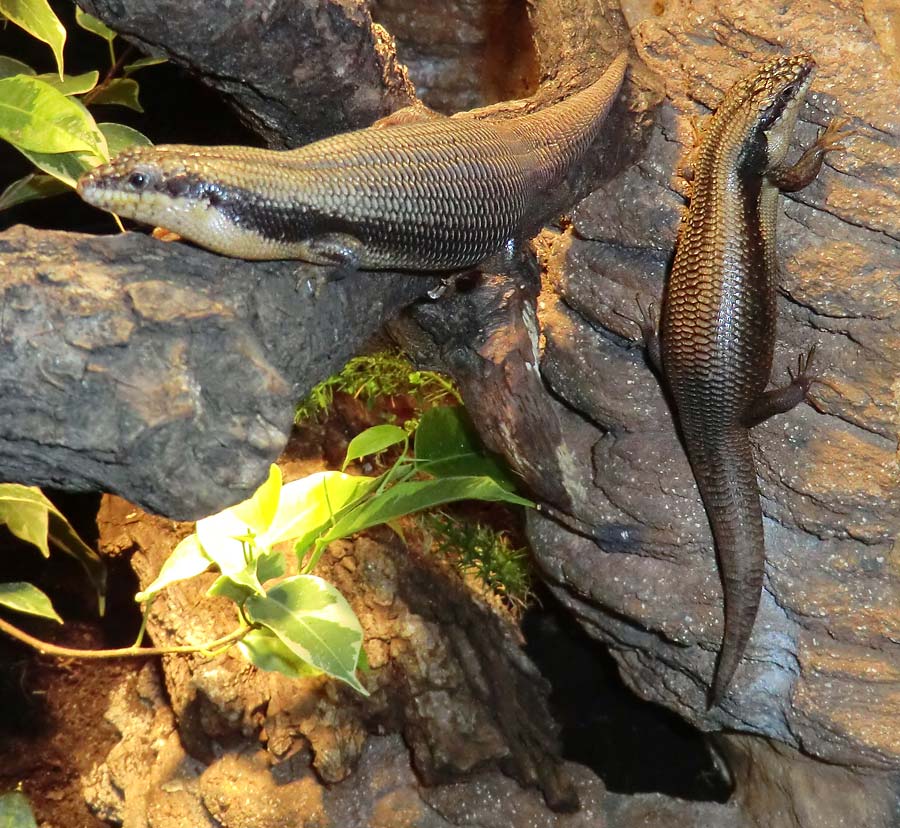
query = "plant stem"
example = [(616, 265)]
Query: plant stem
[(116, 66), (45, 648)]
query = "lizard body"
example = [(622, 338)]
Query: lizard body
[(717, 334), (436, 193)]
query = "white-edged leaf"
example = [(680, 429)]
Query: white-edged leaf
[(309, 505), (10, 66), (65, 167), (71, 84), (90, 23), (36, 117), (374, 440), (315, 622), (232, 547), (235, 538), (257, 511), (24, 597), (187, 560), (38, 19), (15, 811), (31, 187), (264, 650), (68, 167)]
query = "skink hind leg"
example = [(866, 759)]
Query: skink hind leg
[(796, 177), (650, 332), (412, 114), (780, 400)]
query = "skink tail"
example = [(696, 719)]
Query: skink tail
[(727, 478)]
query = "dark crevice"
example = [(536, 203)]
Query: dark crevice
[(632, 745), (463, 55)]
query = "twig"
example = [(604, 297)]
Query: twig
[(45, 648)]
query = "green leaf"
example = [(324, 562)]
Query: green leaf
[(28, 598), (10, 66), (236, 537), (257, 511), (24, 510), (447, 446), (38, 19), (186, 561), (71, 84), (374, 440), (119, 92), (120, 137), (15, 811), (33, 518), (315, 622), (232, 549), (65, 538), (91, 24), (414, 496), (264, 649), (269, 566), (29, 188), (143, 63), (224, 587), (36, 117)]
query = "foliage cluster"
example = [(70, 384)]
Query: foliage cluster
[(45, 116), (376, 376), (299, 623)]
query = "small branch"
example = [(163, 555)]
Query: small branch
[(117, 64), (45, 648)]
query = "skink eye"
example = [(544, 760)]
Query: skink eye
[(137, 180)]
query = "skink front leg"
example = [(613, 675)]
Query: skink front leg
[(341, 251), (796, 177)]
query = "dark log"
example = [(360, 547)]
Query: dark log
[(162, 372), (294, 70)]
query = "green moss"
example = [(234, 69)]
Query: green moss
[(376, 376), (479, 550)]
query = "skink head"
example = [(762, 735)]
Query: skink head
[(154, 185), (769, 101)]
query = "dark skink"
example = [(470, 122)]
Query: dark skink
[(717, 333), (436, 194)]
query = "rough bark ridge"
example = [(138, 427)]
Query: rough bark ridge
[(295, 70)]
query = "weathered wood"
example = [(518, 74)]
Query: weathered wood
[(162, 372)]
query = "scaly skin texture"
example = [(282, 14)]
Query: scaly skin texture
[(420, 193), (717, 334)]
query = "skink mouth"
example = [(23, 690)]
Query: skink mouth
[(90, 186)]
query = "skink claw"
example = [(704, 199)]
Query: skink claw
[(804, 377), (835, 134)]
